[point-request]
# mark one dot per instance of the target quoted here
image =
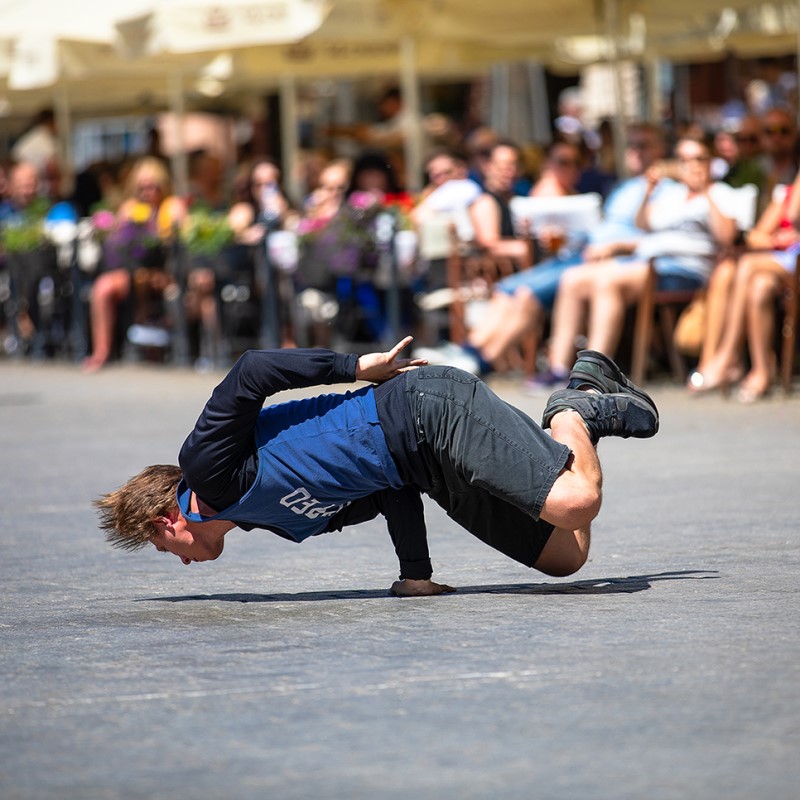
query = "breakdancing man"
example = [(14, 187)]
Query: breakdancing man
[(311, 466)]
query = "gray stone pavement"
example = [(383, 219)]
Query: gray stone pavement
[(668, 668)]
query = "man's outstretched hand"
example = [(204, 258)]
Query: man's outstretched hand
[(379, 367), (409, 588)]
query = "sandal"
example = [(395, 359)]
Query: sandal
[(699, 384), (748, 395)]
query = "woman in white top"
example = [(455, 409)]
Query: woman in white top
[(686, 224)]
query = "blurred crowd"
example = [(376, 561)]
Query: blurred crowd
[(125, 268)]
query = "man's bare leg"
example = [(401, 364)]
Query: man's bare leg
[(602, 403), (574, 501)]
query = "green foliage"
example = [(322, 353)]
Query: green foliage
[(205, 233), (26, 234)]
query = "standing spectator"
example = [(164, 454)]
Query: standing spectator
[(39, 146)]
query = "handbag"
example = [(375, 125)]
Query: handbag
[(691, 327)]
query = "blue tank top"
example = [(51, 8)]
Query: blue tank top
[(315, 456)]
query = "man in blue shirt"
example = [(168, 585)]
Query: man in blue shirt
[(311, 466)]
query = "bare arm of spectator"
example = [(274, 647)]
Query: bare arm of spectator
[(486, 223), (652, 176), (606, 250), (723, 228)]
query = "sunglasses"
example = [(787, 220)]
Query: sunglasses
[(780, 131), (751, 139), (566, 162)]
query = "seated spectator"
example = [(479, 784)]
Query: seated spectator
[(560, 172), (599, 172), (741, 304), (520, 302), (316, 282), (133, 256), (491, 213), (779, 141), (448, 188), (373, 173), (747, 166), (265, 208), (687, 224)]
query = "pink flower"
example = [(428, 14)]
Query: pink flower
[(309, 225), (103, 220), (362, 200)]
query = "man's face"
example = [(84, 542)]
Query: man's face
[(503, 168), (24, 185), (178, 538), (748, 138), (643, 150), (441, 169), (778, 134)]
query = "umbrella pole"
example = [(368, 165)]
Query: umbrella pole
[(179, 159), (65, 155), (611, 13), (290, 144), (410, 89), (797, 66)]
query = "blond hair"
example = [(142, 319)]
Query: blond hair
[(156, 167), (128, 513)]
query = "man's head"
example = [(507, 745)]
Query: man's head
[(23, 184), (442, 167), (390, 103), (503, 167), (645, 146), (564, 163), (128, 515), (779, 134), (749, 137)]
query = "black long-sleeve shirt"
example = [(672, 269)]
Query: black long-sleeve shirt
[(219, 458)]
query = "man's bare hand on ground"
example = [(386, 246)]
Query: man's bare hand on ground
[(379, 367), (409, 588)]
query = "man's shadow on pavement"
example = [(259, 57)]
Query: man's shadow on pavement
[(626, 585)]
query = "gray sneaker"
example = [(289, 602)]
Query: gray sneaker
[(597, 371), (617, 414)]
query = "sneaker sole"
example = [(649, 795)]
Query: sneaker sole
[(611, 371)]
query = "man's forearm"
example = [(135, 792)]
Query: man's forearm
[(405, 519)]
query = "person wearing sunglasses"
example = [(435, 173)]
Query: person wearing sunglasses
[(686, 226), (741, 304), (134, 256), (779, 141), (747, 165)]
